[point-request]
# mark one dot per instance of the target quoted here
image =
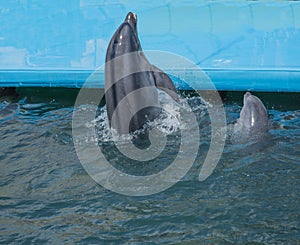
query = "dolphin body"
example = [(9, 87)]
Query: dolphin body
[(253, 121), (127, 70)]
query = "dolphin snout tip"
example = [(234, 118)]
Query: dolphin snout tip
[(131, 17), (246, 96)]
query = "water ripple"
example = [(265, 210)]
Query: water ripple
[(47, 197)]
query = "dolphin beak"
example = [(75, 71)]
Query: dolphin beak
[(131, 17), (246, 96)]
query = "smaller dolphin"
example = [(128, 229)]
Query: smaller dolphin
[(253, 121)]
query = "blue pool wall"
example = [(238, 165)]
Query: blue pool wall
[(241, 45)]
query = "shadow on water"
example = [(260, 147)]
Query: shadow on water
[(66, 97)]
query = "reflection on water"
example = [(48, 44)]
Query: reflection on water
[(46, 195)]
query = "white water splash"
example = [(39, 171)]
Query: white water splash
[(167, 123)]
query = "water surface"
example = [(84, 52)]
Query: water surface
[(46, 195)]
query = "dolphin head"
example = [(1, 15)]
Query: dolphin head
[(253, 113), (125, 39), (253, 121)]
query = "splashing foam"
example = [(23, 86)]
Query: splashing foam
[(168, 122)]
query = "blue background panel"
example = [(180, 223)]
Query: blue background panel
[(240, 44)]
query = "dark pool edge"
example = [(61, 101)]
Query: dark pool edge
[(67, 97)]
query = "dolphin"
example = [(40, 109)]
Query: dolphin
[(127, 70), (253, 121)]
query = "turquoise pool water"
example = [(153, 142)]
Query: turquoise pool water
[(46, 196)]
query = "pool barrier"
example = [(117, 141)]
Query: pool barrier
[(240, 45)]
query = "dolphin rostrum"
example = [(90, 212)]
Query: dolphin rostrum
[(131, 82)]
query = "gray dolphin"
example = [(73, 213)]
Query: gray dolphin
[(253, 121), (128, 70)]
